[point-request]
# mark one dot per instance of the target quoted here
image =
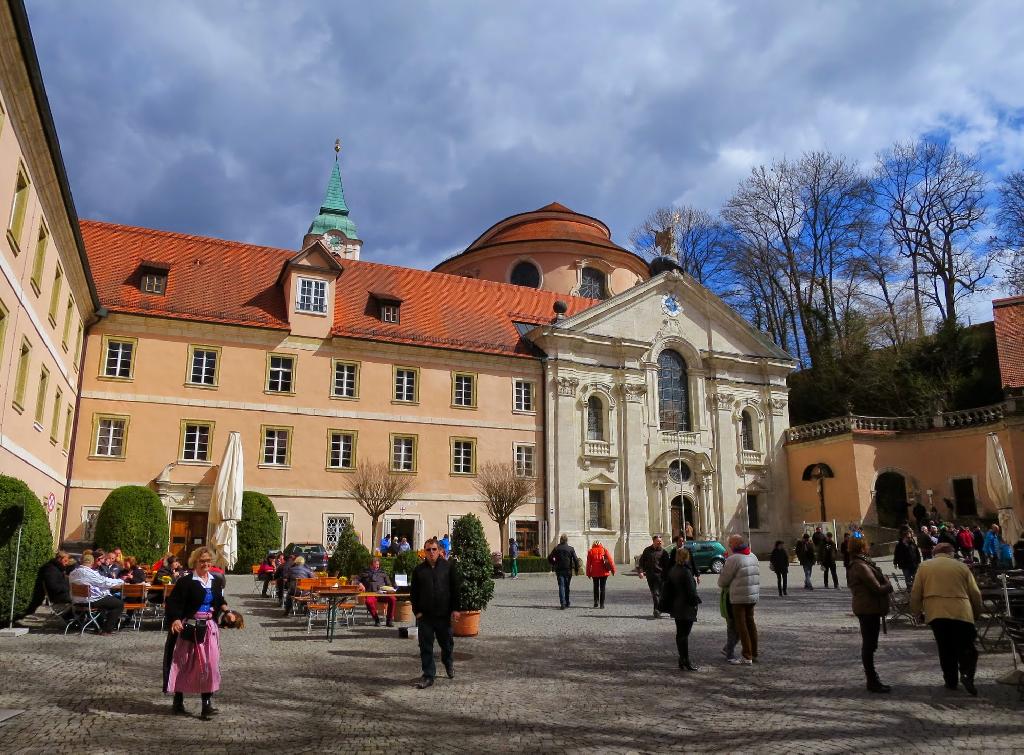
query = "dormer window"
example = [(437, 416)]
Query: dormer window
[(389, 312), (153, 279), (312, 296), (386, 305)]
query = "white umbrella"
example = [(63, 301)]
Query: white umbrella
[(226, 504), (1000, 488)]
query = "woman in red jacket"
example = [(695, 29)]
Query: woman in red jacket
[(599, 565)]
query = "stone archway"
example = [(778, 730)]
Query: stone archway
[(891, 499), (681, 511)]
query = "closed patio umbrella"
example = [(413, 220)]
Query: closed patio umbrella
[(1000, 488), (226, 504)]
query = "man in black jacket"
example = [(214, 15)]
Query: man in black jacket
[(566, 563), (434, 594), (652, 565), (906, 556), (52, 583)]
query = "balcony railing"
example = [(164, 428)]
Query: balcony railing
[(682, 439), (597, 448), (751, 458)]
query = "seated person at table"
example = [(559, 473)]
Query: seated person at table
[(131, 572), (298, 570), (116, 562), (266, 573), (171, 568), (110, 608), (52, 583), (371, 580)]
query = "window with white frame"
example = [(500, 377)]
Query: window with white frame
[(598, 505), (463, 453), (280, 373), (118, 362), (403, 453), (523, 392), (154, 283), (203, 370), (89, 517), (405, 384), (389, 312), (525, 455), (276, 446), (195, 444), (346, 380), (334, 525), (464, 389), (283, 518), (110, 436), (312, 295), (342, 451)]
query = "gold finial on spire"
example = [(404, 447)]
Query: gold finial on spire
[(337, 148)]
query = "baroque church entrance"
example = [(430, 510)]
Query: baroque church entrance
[(682, 511)]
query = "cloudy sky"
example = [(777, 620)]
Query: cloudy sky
[(220, 118)]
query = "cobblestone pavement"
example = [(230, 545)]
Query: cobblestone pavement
[(537, 679)]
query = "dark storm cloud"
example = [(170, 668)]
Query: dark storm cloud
[(218, 118)]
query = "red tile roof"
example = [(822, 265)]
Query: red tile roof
[(211, 280), (1009, 319)]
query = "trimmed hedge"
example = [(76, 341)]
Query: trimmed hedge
[(528, 564), (259, 531), (133, 519), (475, 570), (19, 505), (403, 563)]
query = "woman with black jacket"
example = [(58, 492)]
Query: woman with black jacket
[(779, 563), (192, 650), (682, 590)]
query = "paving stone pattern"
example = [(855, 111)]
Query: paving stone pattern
[(538, 679)]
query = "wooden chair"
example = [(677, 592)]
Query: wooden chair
[(134, 597), (301, 596), (82, 611)]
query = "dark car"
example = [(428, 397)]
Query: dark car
[(708, 555), (314, 553)]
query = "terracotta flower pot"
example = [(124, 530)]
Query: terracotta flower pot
[(404, 611), (467, 625)]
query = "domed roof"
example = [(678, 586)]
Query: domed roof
[(553, 222)]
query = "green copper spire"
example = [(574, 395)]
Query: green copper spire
[(334, 212)]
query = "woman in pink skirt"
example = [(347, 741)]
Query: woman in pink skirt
[(192, 651)]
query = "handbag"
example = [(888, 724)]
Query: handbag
[(194, 631)]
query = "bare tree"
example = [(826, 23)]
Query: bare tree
[(933, 197), (377, 489), (695, 238), (505, 491), (1010, 222), (886, 298)]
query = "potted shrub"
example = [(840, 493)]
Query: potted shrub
[(20, 508), (476, 585), (133, 519), (259, 531)]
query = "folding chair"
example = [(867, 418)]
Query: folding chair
[(83, 612), (134, 597), (300, 597), (256, 581), (899, 600)]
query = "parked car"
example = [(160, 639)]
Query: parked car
[(708, 555), (314, 553)]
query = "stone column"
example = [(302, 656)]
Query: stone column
[(567, 498), (636, 528)]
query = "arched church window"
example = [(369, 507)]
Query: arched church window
[(747, 430), (525, 274), (595, 419), (673, 393), (594, 284), (679, 471)]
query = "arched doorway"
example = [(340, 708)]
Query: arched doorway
[(891, 499), (682, 510)]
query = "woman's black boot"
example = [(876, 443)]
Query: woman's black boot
[(179, 704), (208, 709)]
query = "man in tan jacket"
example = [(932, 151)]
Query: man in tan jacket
[(945, 591)]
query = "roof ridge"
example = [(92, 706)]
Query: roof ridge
[(159, 232)]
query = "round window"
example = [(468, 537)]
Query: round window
[(525, 274), (678, 471)]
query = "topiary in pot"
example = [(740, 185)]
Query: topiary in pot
[(338, 564), (476, 585), (19, 507), (405, 562), (259, 530), (133, 519)]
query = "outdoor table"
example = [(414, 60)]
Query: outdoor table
[(333, 596)]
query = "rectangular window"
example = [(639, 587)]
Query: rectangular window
[(598, 509), (280, 373), (463, 456), (58, 280), (69, 420), (89, 517), (523, 395), (3, 329), (346, 380), (69, 312), (312, 295), (276, 446), (111, 433), (463, 389), (525, 460), (42, 241), (196, 438), (334, 524), (753, 514), (203, 362), (44, 384), (18, 207), (405, 384), (21, 381), (389, 313), (58, 400), (154, 283), (403, 453), (341, 453), (118, 361)]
